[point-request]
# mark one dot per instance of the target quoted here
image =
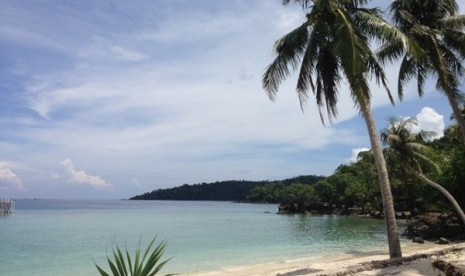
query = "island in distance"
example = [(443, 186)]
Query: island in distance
[(232, 190)]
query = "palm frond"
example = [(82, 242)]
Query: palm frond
[(376, 70), (371, 22), (327, 66), (390, 51), (452, 61), (447, 81), (304, 3), (421, 77), (455, 40), (305, 80), (289, 50), (350, 44), (456, 22), (407, 72)]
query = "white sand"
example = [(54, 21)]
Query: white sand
[(332, 265)]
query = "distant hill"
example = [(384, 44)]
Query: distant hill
[(232, 190)]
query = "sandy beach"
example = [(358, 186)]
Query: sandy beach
[(356, 263)]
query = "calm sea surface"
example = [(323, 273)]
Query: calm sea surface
[(64, 237)]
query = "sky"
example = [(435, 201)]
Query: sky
[(110, 99)]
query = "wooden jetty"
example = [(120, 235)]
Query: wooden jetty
[(7, 206)]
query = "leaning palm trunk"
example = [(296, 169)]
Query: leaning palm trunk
[(385, 187), (451, 199), (458, 115)]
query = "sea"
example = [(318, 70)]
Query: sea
[(68, 237)]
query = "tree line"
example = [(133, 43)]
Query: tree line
[(233, 190), (356, 184)]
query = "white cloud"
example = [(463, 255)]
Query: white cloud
[(82, 177), (354, 158), (429, 120), (9, 177)]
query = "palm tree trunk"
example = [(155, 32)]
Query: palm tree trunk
[(451, 199), (457, 114), (385, 186)]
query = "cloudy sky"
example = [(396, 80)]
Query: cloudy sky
[(109, 99)]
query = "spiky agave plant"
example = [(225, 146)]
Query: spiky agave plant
[(122, 264)]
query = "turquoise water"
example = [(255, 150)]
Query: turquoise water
[(64, 237)]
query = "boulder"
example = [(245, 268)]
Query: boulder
[(403, 215), (433, 226), (443, 241), (418, 240)]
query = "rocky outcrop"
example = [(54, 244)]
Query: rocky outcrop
[(313, 209), (327, 209), (434, 226), (317, 209)]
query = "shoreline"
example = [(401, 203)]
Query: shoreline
[(332, 265)]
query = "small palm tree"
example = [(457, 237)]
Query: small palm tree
[(148, 265), (408, 151), (437, 47), (331, 45)]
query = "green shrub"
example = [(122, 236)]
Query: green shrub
[(122, 265)]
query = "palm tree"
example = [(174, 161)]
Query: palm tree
[(406, 149), (437, 41), (331, 45)]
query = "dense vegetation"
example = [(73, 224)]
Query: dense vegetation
[(222, 190), (355, 185)]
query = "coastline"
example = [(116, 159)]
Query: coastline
[(332, 265)]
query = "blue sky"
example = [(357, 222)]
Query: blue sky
[(109, 99)]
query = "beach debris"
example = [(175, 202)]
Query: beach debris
[(448, 268), (300, 272), (374, 265)]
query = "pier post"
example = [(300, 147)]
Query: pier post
[(7, 206)]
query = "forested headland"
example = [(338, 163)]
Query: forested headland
[(233, 190)]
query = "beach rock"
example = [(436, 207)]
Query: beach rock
[(418, 240), (306, 208), (433, 226), (377, 214), (443, 241), (403, 215)]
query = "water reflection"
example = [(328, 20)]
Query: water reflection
[(332, 230)]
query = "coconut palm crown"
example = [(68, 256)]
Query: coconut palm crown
[(409, 151), (437, 47), (331, 46)]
